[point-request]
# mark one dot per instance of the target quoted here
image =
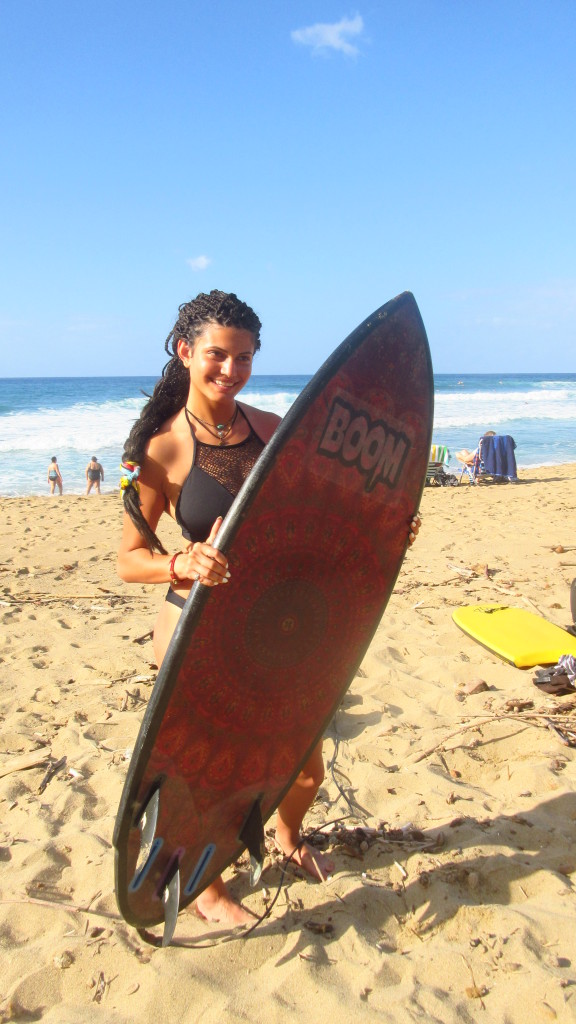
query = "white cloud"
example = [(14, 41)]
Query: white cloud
[(199, 262), (331, 37)]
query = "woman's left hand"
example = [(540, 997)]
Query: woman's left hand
[(414, 529)]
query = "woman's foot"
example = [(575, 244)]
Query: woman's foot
[(316, 864), (216, 905)]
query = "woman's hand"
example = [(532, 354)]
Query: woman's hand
[(203, 562), (414, 529)]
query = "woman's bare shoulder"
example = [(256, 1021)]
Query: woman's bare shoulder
[(264, 423), (166, 443), (164, 449)]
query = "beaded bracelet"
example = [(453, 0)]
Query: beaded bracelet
[(174, 579)]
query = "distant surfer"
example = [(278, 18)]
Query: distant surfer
[(188, 455), (54, 476), (94, 474)]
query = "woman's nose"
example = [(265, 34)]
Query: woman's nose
[(227, 367)]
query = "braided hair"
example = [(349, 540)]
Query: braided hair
[(171, 391)]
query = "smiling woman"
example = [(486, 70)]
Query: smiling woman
[(188, 388), (188, 455)]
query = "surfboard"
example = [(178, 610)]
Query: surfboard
[(515, 634), (256, 670)]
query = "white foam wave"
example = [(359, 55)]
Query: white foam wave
[(277, 401), (87, 427), (542, 420), (84, 427), (504, 407)]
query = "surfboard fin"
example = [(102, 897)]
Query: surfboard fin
[(252, 836), (171, 901), (147, 822)]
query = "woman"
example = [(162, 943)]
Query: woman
[(94, 474), (188, 455), (54, 476)]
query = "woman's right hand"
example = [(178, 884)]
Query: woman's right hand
[(203, 562)]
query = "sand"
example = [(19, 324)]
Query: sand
[(467, 915)]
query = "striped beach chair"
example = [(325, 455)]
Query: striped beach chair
[(436, 475)]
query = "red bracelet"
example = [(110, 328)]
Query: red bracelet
[(174, 579)]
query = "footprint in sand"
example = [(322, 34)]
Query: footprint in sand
[(33, 994)]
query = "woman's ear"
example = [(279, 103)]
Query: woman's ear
[(184, 351)]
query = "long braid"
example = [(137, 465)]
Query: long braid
[(171, 391)]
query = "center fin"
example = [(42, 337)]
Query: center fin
[(252, 837)]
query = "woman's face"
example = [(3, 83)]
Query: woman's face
[(220, 362)]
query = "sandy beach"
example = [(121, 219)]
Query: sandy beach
[(455, 902)]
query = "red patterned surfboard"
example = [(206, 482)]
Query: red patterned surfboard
[(256, 670)]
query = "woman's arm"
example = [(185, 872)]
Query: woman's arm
[(137, 564)]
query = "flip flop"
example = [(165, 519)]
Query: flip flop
[(558, 685)]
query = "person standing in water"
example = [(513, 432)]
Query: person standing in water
[(54, 476), (94, 474), (188, 455)]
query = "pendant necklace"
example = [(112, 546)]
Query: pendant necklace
[(219, 430)]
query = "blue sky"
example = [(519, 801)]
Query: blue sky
[(317, 159)]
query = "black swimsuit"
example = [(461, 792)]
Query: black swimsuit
[(216, 475)]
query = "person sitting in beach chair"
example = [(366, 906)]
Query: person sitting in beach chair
[(436, 475), (470, 464), (494, 457)]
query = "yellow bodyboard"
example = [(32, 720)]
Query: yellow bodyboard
[(515, 634)]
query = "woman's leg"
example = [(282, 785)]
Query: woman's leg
[(291, 812)]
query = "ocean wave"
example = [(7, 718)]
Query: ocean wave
[(495, 410), (81, 427), (540, 415), (84, 426)]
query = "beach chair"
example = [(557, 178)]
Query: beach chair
[(498, 458), (436, 475)]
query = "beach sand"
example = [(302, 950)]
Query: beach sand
[(466, 916)]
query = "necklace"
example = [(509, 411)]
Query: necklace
[(219, 430)]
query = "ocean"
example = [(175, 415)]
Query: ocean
[(77, 417)]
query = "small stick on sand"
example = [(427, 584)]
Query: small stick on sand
[(22, 761), (53, 770)]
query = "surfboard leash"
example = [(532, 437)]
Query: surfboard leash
[(155, 940)]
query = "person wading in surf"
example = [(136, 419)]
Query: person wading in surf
[(188, 455)]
